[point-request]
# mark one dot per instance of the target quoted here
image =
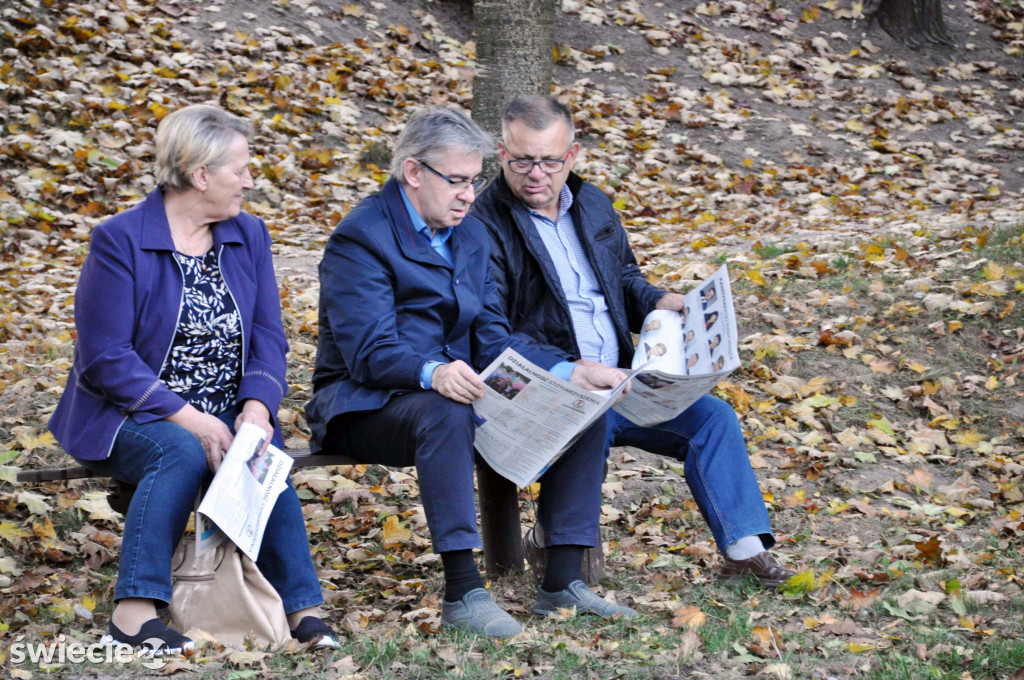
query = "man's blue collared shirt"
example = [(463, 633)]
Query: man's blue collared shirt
[(439, 242), (591, 318)]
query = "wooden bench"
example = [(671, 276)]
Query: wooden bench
[(500, 528)]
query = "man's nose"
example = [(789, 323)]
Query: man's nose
[(536, 172)]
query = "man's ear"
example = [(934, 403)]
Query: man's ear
[(574, 151), (411, 170)]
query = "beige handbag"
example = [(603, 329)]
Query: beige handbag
[(224, 594)]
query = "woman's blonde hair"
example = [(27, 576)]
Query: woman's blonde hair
[(190, 138)]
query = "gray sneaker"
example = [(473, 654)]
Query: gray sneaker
[(583, 598), (478, 613)]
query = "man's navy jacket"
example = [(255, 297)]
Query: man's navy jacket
[(389, 303), (529, 285)]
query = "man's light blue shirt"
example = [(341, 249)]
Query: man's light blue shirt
[(591, 318), (439, 242)]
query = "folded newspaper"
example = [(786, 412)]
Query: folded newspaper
[(528, 417), (242, 493)]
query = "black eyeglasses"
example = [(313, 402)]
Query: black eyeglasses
[(549, 166), (459, 185)]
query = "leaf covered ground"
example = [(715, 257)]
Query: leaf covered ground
[(864, 195)]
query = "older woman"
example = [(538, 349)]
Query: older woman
[(180, 341)]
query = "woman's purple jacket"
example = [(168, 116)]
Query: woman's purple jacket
[(127, 304)]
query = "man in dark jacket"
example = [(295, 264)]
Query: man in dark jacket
[(568, 278), (408, 315)]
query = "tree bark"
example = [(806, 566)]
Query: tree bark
[(911, 22), (515, 40)]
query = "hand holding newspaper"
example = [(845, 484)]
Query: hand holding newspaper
[(528, 417), (242, 493)]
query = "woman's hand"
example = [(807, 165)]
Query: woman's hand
[(209, 430), (256, 413)]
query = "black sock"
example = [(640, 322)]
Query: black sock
[(460, 574), (565, 564)]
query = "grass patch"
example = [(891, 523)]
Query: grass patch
[(1003, 244), (771, 250)]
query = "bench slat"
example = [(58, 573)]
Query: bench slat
[(303, 458)]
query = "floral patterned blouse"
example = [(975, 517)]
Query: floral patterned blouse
[(205, 363)]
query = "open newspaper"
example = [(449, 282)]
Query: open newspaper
[(683, 355), (528, 417), (242, 494)]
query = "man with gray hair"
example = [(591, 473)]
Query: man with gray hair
[(567, 277), (408, 315)]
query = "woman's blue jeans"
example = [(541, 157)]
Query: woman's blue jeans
[(708, 439), (167, 465)]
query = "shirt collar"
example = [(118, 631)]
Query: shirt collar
[(564, 203), (419, 224)]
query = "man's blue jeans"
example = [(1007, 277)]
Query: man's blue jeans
[(708, 439), (167, 464)]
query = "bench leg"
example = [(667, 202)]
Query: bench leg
[(499, 522), (120, 496)]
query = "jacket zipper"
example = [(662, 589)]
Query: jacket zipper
[(170, 346)]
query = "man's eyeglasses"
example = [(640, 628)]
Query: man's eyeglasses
[(459, 185), (549, 166)]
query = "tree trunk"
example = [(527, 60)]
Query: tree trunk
[(515, 40), (911, 21)]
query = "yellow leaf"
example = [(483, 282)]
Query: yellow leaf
[(89, 603), (992, 383), (394, 532), (44, 529), (748, 162), (619, 204), (917, 367), (969, 439), (766, 635), (30, 443), (12, 533), (95, 503), (800, 583), (690, 618), (993, 271), (858, 647), (755, 276)]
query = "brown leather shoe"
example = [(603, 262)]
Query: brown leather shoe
[(763, 566)]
